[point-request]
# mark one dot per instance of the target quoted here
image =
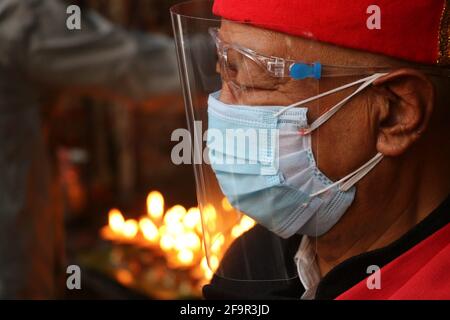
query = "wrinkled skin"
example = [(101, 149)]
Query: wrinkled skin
[(403, 116)]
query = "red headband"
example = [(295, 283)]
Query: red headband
[(416, 30)]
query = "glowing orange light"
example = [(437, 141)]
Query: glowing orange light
[(174, 214), (192, 218), (207, 272), (247, 223), (187, 240), (217, 243), (167, 242), (226, 205), (214, 262), (130, 228), (174, 228), (210, 215), (115, 220), (155, 205), (148, 229), (185, 256), (124, 276), (236, 231), (178, 233)]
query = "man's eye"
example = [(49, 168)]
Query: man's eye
[(225, 71)]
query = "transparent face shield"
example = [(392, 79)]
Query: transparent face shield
[(218, 73), (254, 103)]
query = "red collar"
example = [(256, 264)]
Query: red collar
[(419, 273)]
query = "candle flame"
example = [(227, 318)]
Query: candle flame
[(130, 228), (167, 242), (174, 214), (115, 220), (217, 243), (214, 262), (155, 205), (210, 215), (148, 229), (177, 232), (185, 256), (192, 219), (247, 223), (187, 240)]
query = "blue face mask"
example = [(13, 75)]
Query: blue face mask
[(264, 164)]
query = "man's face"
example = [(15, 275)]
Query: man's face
[(343, 143)]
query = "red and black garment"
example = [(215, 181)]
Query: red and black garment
[(413, 267), (421, 273)]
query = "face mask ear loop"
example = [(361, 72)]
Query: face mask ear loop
[(327, 115), (369, 79), (351, 179), (361, 174)]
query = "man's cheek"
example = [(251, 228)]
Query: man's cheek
[(336, 149)]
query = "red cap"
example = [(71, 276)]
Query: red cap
[(416, 30)]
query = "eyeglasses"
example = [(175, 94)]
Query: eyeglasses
[(230, 55)]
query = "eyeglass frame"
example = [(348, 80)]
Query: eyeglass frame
[(298, 70)]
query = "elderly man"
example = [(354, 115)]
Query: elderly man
[(369, 217)]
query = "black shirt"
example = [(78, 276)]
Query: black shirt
[(341, 278)]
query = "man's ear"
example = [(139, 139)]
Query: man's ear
[(405, 115)]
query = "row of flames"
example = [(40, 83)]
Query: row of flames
[(177, 232)]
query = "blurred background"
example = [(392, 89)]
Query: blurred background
[(110, 156), (123, 202)]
